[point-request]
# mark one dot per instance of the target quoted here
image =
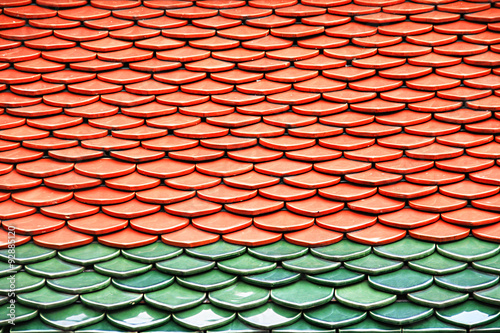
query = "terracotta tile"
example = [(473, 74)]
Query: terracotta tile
[(314, 206), (405, 71), (435, 177), (12, 210), (62, 239), (350, 52), (189, 237), (341, 166), (97, 224), (353, 10), (41, 196), (311, 180), (251, 180), (193, 208), (192, 181), (283, 167), (127, 238), (35, 224), (439, 232), (284, 192), (71, 209), (271, 21), (376, 204), (164, 195), (319, 62), (346, 142), (437, 203), (283, 221), (252, 236), (461, 27), (346, 221), (196, 154), (130, 209), (373, 177), (347, 192), (408, 218), (378, 234), (405, 190), (380, 18), (489, 233), (158, 223), (222, 222), (351, 30), (435, 151), (103, 196), (255, 206), (224, 194)]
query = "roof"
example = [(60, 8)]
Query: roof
[(232, 166)]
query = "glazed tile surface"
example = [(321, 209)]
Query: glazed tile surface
[(250, 166)]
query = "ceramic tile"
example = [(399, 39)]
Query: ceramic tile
[(156, 114)]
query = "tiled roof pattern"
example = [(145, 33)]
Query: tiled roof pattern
[(325, 157)]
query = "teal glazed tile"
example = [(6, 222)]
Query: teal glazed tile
[(239, 296), (208, 281), (490, 265), (373, 265), (53, 268), (170, 327), (405, 249), (28, 253), (144, 283), (437, 297), (469, 314), (217, 251), (302, 295), (237, 326), (401, 282), (34, 325), (362, 296), (334, 315), (492, 327), (24, 283), (46, 298), (184, 265), (152, 253), (174, 298), (276, 278), (469, 249), (104, 326), (8, 269), (490, 295), (278, 251), (302, 326), (436, 264), (110, 298), (370, 326), (468, 280), (121, 267), (22, 313), (85, 282), (309, 264), (72, 317), (89, 254), (245, 265), (401, 313), (269, 316), (432, 325), (138, 318), (204, 317), (337, 278), (342, 251)]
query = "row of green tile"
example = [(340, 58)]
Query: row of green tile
[(393, 318)]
